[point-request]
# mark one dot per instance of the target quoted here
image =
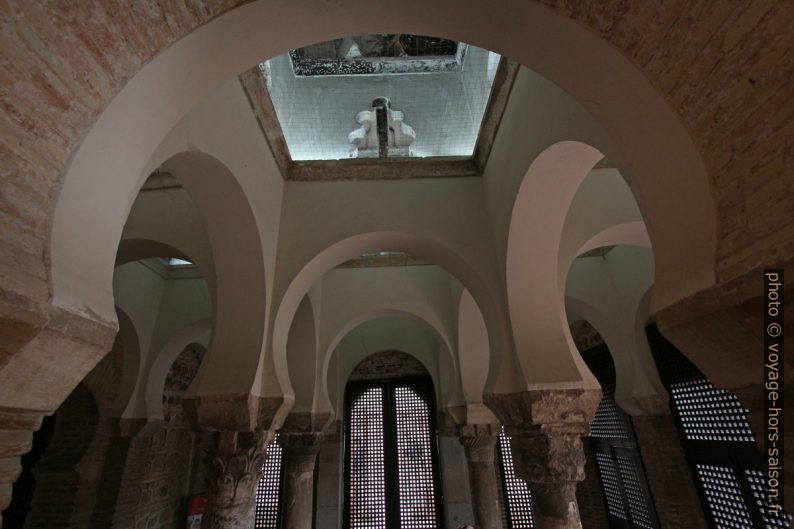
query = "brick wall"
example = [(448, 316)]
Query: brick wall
[(669, 477)]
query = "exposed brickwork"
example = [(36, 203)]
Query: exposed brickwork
[(585, 336), (589, 496), (388, 364), (669, 477), (177, 381)]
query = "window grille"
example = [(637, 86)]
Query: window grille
[(610, 484), (367, 473), (268, 491), (710, 414), (628, 499), (516, 494), (758, 487), (391, 456), (415, 461), (717, 441)]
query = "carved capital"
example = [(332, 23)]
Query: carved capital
[(571, 408), (479, 441), (234, 471)]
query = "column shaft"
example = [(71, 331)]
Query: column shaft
[(480, 446)]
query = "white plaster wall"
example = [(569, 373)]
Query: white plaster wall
[(441, 220), (169, 216), (224, 127), (159, 308), (608, 292), (352, 293)]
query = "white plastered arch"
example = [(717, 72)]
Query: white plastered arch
[(535, 296), (131, 362), (650, 137), (417, 245), (240, 311), (198, 332), (444, 386)]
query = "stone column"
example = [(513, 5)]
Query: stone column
[(233, 472), (479, 442), (546, 429), (551, 462), (299, 458)]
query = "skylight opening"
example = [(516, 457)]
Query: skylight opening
[(173, 261), (381, 97)]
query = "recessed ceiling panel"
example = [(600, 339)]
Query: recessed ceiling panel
[(381, 96)]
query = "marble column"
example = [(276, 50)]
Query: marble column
[(479, 442), (233, 472), (299, 458), (546, 428)]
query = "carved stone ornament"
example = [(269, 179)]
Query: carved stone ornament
[(234, 473)]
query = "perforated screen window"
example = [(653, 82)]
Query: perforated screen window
[(415, 461), (635, 493), (367, 466), (710, 414), (518, 497), (607, 422), (724, 497), (611, 485), (391, 473), (772, 519), (268, 492), (718, 443)]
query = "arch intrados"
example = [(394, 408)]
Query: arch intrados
[(198, 332), (582, 310), (362, 319), (626, 234), (131, 363), (172, 83), (137, 249), (417, 245)]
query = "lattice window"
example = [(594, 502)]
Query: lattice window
[(367, 477), (634, 490), (622, 476), (611, 485), (608, 422), (415, 461), (391, 460), (724, 497), (518, 498), (718, 442), (760, 492), (710, 414), (268, 492)]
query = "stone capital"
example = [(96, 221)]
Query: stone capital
[(479, 441), (234, 470), (235, 412), (569, 410)]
